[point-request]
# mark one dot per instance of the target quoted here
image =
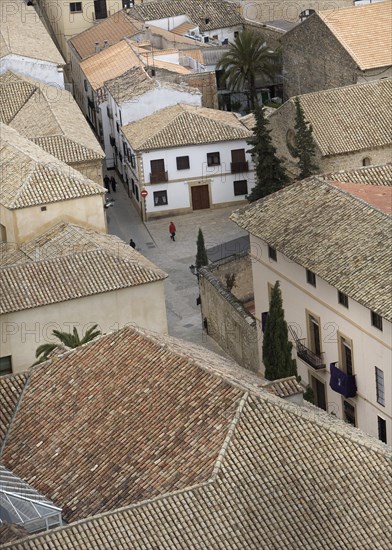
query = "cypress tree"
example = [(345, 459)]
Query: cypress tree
[(305, 147), (270, 173), (201, 256), (276, 345)]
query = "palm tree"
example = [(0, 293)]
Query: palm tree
[(247, 57), (69, 340)]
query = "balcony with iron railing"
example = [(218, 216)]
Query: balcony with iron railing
[(239, 167), (158, 177), (314, 360)]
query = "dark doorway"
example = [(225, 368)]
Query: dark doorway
[(200, 197)]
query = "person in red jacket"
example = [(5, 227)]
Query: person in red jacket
[(172, 231)]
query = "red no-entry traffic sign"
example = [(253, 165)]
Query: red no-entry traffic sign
[(144, 193)]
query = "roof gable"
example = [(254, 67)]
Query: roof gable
[(68, 262), (253, 450), (184, 125), (112, 29), (22, 33), (110, 63), (29, 176), (207, 15), (347, 119), (49, 116), (133, 447)]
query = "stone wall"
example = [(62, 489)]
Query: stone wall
[(225, 318), (271, 35), (240, 266), (314, 60), (204, 82), (283, 120)]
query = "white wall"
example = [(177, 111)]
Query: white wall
[(43, 71), (140, 107), (371, 347), (219, 178), (222, 34), (169, 23)]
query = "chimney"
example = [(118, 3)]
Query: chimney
[(105, 43), (97, 48)]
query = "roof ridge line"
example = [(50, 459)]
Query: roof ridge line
[(116, 511), (224, 449), (63, 135), (354, 197), (16, 409), (337, 426)]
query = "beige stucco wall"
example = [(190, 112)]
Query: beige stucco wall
[(22, 332), (371, 347), (26, 223)]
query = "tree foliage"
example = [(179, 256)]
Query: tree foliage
[(246, 58), (276, 345), (270, 173), (305, 146), (201, 255), (69, 340)]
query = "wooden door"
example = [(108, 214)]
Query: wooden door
[(200, 197)]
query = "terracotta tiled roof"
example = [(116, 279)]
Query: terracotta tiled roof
[(379, 196), (172, 37), (110, 63), (154, 423), (22, 33), (368, 175), (202, 463), (30, 176), (351, 118), (49, 116), (10, 532), (184, 28), (136, 82), (113, 29), (359, 266), (285, 387), (11, 387), (68, 262), (219, 14), (67, 150), (184, 125), (172, 67), (364, 31)]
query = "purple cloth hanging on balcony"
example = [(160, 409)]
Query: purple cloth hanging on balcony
[(342, 382)]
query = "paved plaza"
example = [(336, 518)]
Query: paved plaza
[(222, 238)]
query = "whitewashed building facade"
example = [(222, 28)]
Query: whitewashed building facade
[(328, 247), (187, 158)]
